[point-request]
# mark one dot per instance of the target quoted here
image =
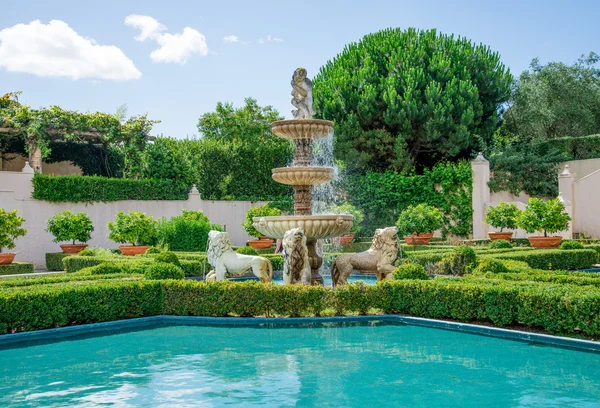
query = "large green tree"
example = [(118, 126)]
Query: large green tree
[(555, 100), (406, 98)]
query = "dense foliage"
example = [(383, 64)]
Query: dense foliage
[(500, 244), (503, 216), (247, 250), (357, 215), (74, 189), (383, 196), (405, 98), (54, 260), (70, 226), (186, 232), (10, 228), (16, 268), (164, 270), (410, 271), (419, 219), (134, 228), (264, 211), (553, 259), (461, 260), (547, 216), (491, 265), (569, 245)]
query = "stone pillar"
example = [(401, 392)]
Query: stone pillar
[(481, 195), (566, 181)]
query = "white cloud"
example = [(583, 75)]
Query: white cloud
[(231, 39), (174, 48), (56, 50), (268, 39), (150, 27)]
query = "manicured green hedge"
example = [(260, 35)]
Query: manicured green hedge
[(562, 277), (595, 247), (551, 259), (74, 189), (137, 264), (54, 261), (48, 306), (16, 268)]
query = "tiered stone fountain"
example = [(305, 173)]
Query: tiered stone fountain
[(302, 176)]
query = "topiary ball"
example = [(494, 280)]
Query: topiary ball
[(500, 244), (568, 245), (167, 257), (491, 265), (163, 270), (153, 250), (410, 271), (247, 250)]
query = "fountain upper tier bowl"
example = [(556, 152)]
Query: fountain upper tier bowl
[(314, 226), (303, 175), (295, 129)]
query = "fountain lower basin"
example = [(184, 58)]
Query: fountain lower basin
[(314, 226), (302, 176)]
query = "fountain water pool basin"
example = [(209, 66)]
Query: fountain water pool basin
[(314, 226)]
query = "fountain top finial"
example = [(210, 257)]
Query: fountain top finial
[(302, 97)]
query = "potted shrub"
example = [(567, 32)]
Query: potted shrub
[(417, 223), (502, 216), (547, 216), (357, 215), (265, 211), (10, 230), (134, 228), (68, 226)]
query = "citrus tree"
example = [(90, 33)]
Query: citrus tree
[(547, 216), (135, 228), (69, 226), (10, 228), (502, 216), (419, 219)]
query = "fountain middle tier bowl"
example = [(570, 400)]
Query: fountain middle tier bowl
[(303, 175), (294, 129), (314, 226)]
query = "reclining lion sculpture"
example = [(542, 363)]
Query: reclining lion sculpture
[(378, 259), (296, 265), (227, 263)]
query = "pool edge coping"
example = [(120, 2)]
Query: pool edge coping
[(63, 333)]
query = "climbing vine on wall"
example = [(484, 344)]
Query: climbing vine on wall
[(447, 186)]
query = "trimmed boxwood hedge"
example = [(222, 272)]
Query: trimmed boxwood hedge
[(75, 189), (552, 259), (190, 267), (16, 268), (54, 261)]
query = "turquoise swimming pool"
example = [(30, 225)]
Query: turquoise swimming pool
[(324, 365)]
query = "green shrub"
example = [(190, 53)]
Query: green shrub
[(247, 250), (75, 189), (276, 261), (547, 216), (163, 270), (16, 268), (97, 251), (69, 226), (410, 271), (264, 211), (594, 247), (10, 228), (500, 244), (135, 228), (491, 265), (153, 250), (167, 257), (516, 266), (54, 261), (186, 232), (426, 257), (76, 263), (104, 268), (461, 260), (419, 219), (503, 216), (552, 259), (357, 214), (569, 245)]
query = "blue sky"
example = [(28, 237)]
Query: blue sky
[(178, 83)]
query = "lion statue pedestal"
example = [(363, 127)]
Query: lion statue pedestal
[(228, 263), (378, 259)]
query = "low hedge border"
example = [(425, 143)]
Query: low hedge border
[(134, 264), (16, 268), (54, 261), (551, 259), (556, 308), (595, 247)]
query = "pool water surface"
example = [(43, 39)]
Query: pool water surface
[(323, 365)]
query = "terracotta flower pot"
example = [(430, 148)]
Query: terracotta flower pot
[(6, 258), (262, 243), (505, 235), (544, 242), (418, 239), (130, 250), (73, 248), (344, 239)]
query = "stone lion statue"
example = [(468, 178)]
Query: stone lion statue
[(227, 263), (296, 266), (378, 259), (302, 97)]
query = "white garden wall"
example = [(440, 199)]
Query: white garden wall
[(15, 194)]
